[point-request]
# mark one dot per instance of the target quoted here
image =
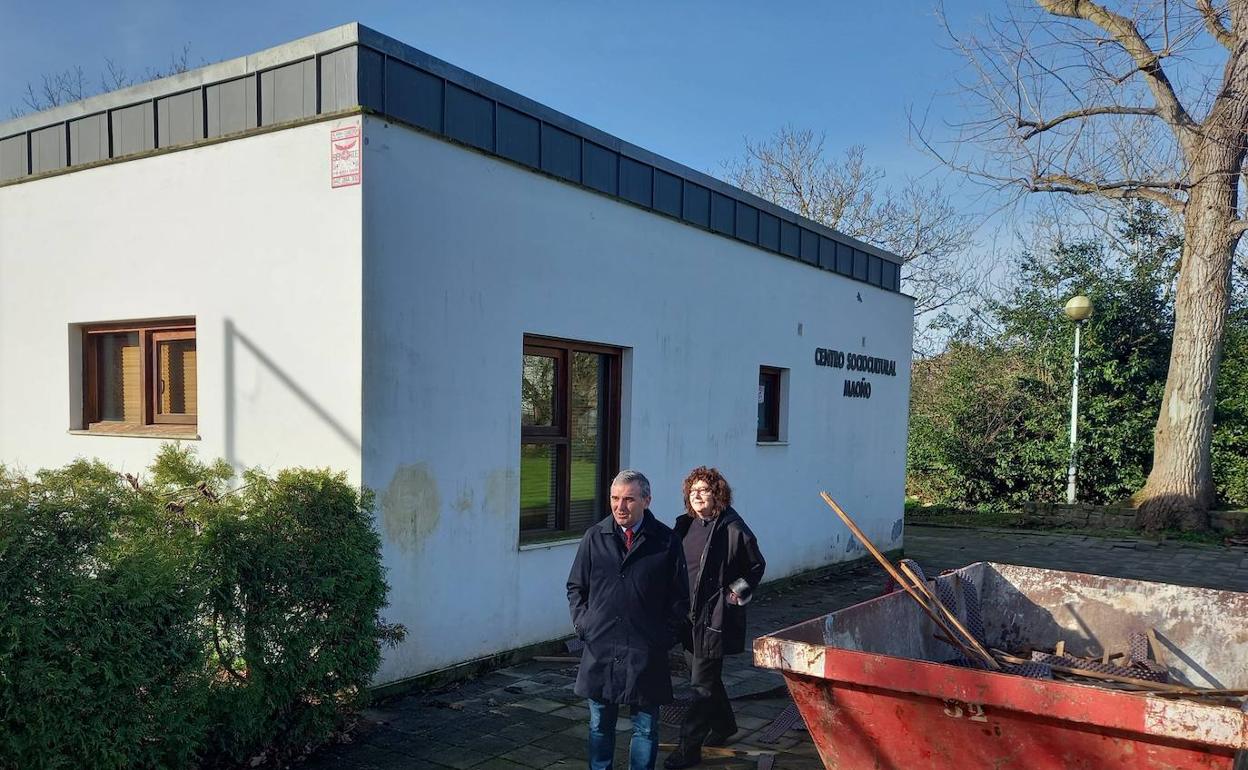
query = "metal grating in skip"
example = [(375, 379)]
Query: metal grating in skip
[(352, 67)]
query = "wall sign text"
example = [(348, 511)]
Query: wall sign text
[(855, 362)]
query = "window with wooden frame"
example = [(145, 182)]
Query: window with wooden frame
[(569, 435), (140, 378), (769, 394)]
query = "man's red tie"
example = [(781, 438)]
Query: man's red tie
[(628, 540)]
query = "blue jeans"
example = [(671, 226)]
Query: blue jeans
[(644, 749)]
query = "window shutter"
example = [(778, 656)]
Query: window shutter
[(121, 381)]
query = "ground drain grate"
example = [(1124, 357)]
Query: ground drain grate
[(766, 762), (786, 720), (674, 713)]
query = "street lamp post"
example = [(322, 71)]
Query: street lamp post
[(1078, 309)]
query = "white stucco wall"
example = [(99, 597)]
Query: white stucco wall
[(464, 254), (247, 237)]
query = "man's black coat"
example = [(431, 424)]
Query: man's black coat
[(628, 609), (731, 553)]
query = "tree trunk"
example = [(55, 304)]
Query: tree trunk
[(1179, 490)]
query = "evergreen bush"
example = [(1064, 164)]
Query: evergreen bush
[(179, 621)]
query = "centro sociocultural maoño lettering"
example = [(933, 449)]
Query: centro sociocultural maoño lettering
[(855, 362)]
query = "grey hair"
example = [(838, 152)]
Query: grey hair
[(629, 476)]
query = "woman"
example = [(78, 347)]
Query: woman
[(725, 566)]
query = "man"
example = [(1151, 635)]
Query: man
[(725, 566), (628, 593)]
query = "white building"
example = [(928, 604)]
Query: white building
[(343, 252)]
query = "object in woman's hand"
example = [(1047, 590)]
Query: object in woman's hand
[(740, 592)]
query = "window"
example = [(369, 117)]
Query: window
[(140, 378), (770, 380), (569, 435)]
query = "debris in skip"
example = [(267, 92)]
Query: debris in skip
[(1139, 667)]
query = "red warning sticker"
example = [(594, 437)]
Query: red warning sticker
[(344, 156)]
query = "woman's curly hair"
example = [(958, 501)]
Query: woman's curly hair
[(721, 493)]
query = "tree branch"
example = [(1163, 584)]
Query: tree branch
[(1040, 126), (1213, 23), (1125, 34), (1129, 188), (224, 660)]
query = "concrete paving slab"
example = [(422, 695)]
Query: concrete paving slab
[(540, 705), (573, 712), (564, 744), (520, 733), (354, 756), (499, 763), (458, 757), (748, 722), (581, 731), (532, 756)]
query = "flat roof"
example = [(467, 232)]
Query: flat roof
[(352, 68)]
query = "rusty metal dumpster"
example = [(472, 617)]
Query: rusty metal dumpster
[(872, 687)]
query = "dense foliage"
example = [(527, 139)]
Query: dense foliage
[(1230, 435), (179, 621), (990, 416)]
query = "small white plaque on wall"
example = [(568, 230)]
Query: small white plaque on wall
[(344, 156)]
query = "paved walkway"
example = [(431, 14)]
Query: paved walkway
[(526, 716)]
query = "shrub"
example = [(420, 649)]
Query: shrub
[(102, 658), (296, 587), (178, 621)]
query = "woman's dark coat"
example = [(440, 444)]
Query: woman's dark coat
[(629, 610), (731, 553)]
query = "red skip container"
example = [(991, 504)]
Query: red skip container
[(871, 688)]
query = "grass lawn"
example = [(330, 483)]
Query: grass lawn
[(535, 480)]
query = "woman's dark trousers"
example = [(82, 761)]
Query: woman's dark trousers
[(710, 711)]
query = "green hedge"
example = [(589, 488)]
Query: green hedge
[(181, 620)]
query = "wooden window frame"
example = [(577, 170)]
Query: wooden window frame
[(772, 409), (156, 337), (560, 435), (559, 426), (149, 334)]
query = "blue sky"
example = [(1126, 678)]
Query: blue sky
[(689, 79)]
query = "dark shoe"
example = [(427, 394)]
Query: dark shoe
[(683, 757), (717, 738)]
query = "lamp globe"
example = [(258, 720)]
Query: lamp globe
[(1078, 308)]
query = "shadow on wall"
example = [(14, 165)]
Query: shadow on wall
[(234, 339)]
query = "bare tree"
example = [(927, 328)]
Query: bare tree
[(1148, 101), (58, 88), (71, 84), (917, 223)]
